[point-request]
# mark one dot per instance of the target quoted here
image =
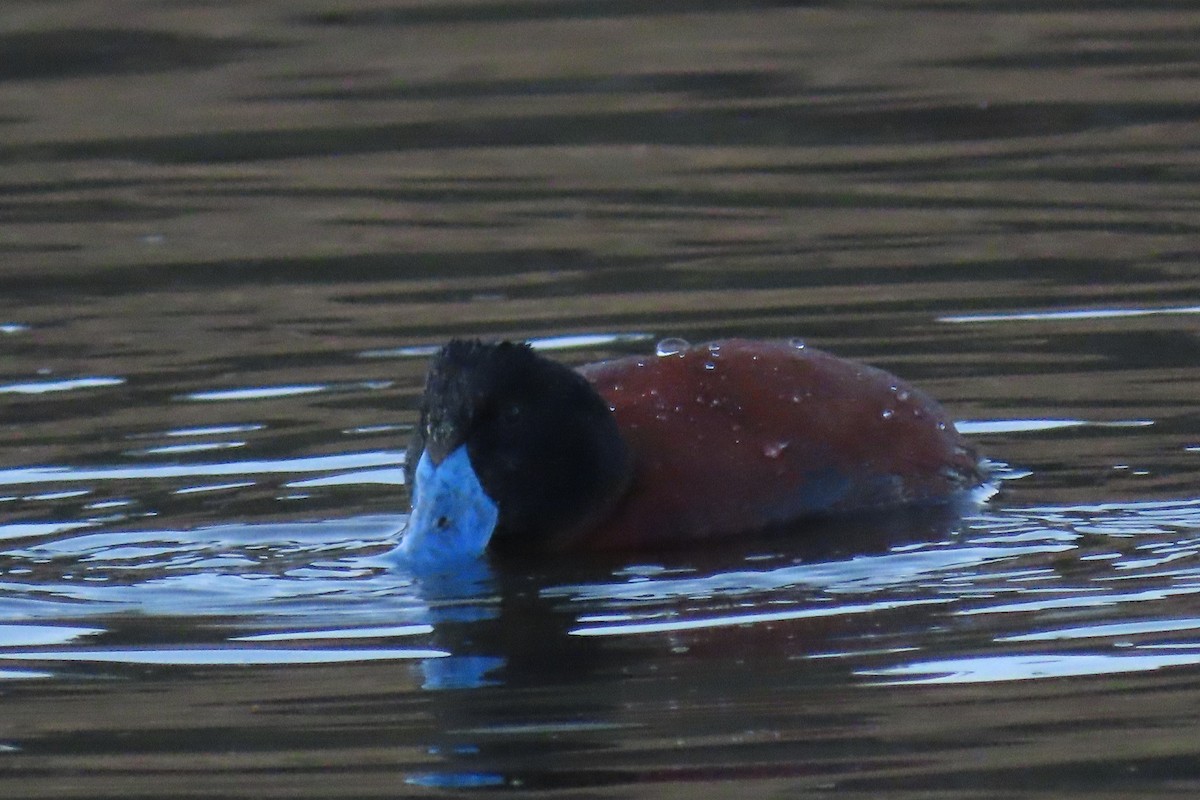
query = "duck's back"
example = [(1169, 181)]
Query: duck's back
[(738, 436)]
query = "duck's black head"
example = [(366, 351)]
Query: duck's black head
[(501, 425)]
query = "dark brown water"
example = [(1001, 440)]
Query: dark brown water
[(231, 232)]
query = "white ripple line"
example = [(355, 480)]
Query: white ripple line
[(1085, 313), (11, 477), (749, 619), (225, 656)]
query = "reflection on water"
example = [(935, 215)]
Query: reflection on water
[(1004, 595), (1011, 572), (233, 234)]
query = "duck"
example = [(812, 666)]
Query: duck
[(514, 452)]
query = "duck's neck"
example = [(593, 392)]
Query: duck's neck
[(593, 469)]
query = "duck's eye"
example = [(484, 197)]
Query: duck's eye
[(508, 415)]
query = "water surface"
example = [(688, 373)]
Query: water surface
[(232, 233)]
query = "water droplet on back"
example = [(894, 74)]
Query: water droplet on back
[(887, 413), (797, 343), (774, 449), (670, 347)]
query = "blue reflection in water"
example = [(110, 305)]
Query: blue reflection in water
[(981, 600), (460, 672), (455, 780)]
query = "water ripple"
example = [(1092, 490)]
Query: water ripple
[(61, 385), (64, 474)]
